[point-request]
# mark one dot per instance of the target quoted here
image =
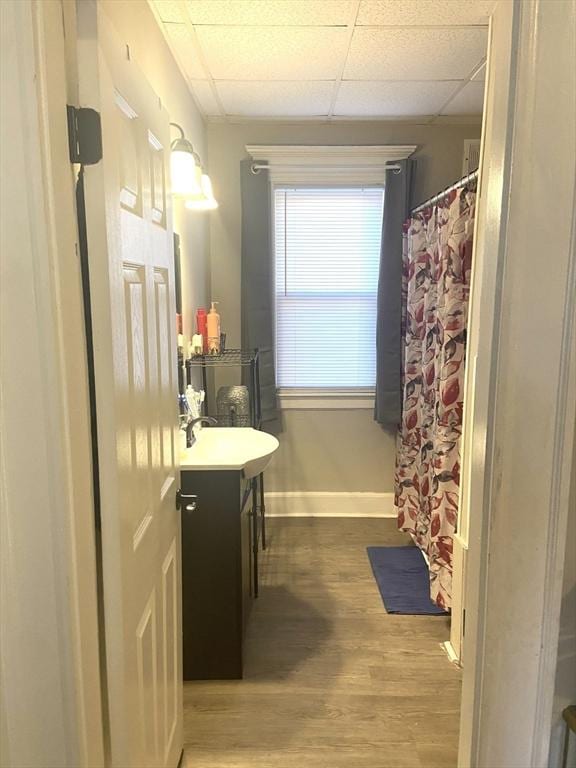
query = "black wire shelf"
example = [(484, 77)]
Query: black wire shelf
[(233, 420), (227, 358)]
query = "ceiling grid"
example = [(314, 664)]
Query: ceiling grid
[(330, 59), (354, 10)]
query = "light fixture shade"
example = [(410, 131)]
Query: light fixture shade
[(185, 171), (205, 200), (208, 193)]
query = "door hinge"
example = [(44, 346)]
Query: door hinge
[(84, 135)]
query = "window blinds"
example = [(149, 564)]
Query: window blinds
[(327, 256)]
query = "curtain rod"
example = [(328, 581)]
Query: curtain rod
[(461, 183), (257, 167)]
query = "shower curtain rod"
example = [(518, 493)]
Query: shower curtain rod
[(461, 183), (257, 167)]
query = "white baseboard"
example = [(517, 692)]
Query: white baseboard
[(326, 504)]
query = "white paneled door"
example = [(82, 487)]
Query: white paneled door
[(129, 233)]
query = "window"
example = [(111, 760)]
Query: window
[(327, 256)]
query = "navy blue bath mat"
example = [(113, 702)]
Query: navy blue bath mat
[(402, 577)]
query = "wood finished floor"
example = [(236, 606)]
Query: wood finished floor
[(331, 680)]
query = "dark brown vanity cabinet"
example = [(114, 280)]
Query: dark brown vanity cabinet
[(218, 569)]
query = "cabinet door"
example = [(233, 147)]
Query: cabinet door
[(212, 577)]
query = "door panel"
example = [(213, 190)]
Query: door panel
[(130, 176), (157, 180), (170, 637), (164, 379), (147, 652), (130, 241)]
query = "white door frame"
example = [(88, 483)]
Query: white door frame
[(520, 387), (49, 659), (496, 125)]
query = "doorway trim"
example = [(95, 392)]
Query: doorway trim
[(519, 453), (51, 702)]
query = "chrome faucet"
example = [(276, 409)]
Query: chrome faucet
[(210, 420)]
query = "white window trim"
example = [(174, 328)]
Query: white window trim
[(325, 166), (302, 399)]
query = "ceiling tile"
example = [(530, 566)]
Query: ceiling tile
[(273, 53), (378, 99), (269, 12), (414, 54), (184, 49), (276, 99), (424, 12), (170, 10), (469, 101), (205, 97)]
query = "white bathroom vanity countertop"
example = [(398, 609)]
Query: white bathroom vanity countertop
[(243, 449)]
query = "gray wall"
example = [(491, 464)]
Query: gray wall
[(339, 451), (321, 450)]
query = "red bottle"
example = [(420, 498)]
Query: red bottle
[(202, 328)]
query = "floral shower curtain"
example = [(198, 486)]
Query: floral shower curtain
[(437, 259)]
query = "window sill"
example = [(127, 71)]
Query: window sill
[(326, 399)]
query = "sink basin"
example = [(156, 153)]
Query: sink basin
[(230, 448)]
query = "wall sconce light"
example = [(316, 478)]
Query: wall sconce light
[(205, 201), (188, 178), (185, 167)]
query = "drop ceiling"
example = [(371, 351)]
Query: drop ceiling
[(330, 59)]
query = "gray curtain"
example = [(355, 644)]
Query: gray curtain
[(258, 282), (388, 402)]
